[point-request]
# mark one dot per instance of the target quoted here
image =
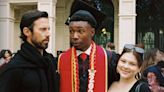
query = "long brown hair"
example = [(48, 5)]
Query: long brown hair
[(149, 58)]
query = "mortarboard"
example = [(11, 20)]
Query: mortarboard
[(85, 12)]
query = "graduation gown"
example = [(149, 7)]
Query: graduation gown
[(66, 75)]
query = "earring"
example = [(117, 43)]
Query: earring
[(138, 76)]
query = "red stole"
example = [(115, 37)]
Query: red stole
[(64, 68)]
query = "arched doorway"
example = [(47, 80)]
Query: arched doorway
[(106, 31)]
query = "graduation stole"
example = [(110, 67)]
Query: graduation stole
[(69, 72), (75, 70)]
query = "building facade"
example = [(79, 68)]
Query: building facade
[(58, 10)]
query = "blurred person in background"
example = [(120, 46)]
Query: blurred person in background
[(5, 56), (110, 46), (155, 76), (151, 71), (152, 56)]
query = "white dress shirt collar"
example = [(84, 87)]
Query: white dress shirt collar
[(88, 51)]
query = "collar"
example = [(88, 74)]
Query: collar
[(88, 51)]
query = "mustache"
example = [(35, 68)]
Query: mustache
[(46, 39)]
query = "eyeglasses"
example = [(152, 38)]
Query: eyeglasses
[(133, 48)]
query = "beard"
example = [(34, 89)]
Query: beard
[(40, 45)]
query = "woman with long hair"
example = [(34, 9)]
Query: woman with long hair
[(128, 69)]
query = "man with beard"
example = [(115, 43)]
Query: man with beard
[(32, 68), (84, 67)]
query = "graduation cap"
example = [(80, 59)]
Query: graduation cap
[(82, 11)]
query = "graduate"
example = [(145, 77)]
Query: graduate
[(83, 67)]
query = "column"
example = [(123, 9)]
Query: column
[(116, 23), (127, 23), (6, 26)]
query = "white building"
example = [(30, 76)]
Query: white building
[(58, 10)]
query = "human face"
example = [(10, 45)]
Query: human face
[(159, 56), (81, 34), (152, 79), (127, 66), (40, 35)]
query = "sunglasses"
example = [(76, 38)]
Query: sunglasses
[(132, 47)]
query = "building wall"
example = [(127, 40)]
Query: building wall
[(116, 23), (62, 32), (127, 23), (6, 25), (124, 26)]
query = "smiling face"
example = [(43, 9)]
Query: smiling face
[(40, 35), (128, 66), (81, 34)]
